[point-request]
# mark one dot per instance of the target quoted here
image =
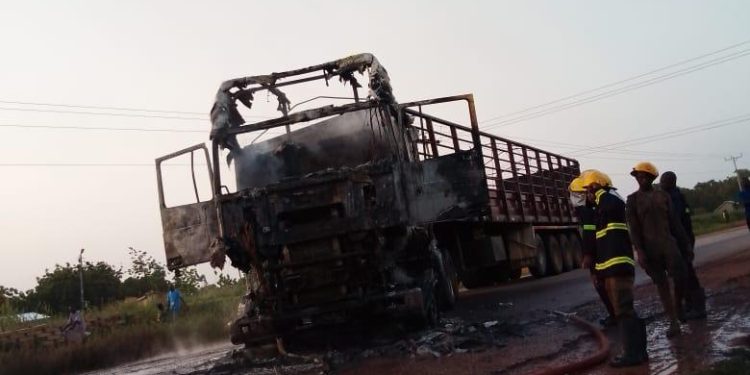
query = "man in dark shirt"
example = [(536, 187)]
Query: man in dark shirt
[(657, 237), (694, 297)]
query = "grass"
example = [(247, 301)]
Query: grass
[(710, 222), (205, 320)]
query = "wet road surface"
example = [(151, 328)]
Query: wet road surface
[(540, 337)]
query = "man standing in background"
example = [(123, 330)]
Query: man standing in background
[(745, 199), (695, 297), (657, 237)]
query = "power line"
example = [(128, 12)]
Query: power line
[(668, 134), (618, 91), (104, 114), (93, 165), (619, 150), (73, 127), (90, 113), (127, 109), (620, 81)]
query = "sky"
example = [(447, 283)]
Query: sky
[(65, 189)]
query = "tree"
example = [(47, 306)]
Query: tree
[(188, 280), (706, 196), (10, 297), (226, 280), (145, 275), (59, 289)]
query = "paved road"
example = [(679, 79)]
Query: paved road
[(567, 290), (562, 292)]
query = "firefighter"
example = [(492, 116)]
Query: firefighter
[(657, 236), (585, 211), (695, 297), (615, 265)]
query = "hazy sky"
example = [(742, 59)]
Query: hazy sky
[(172, 55)]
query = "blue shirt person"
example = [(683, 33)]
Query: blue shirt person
[(745, 199), (174, 301)]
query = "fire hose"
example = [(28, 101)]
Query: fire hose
[(587, 362)]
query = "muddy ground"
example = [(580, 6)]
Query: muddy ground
[(491, 334)]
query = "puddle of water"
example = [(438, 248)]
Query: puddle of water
[(701, 343)]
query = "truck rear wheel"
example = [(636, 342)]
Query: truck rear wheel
[(567, 252), (554, 255), (539, 269), (447, 283), (576, 250)]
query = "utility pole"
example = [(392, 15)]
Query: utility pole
[(736, 171), (80, 274)]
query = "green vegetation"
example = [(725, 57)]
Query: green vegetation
[(138, 334), (130, 305), (707, 196), (710, 222)]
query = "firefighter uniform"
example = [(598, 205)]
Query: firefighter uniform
[(585, 212), (615, 265)]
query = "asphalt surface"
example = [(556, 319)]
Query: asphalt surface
[(566, 291)]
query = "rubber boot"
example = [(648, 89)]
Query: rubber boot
[(642, 342), (669, 309), (698, 304), (680, 303), (632, 335)]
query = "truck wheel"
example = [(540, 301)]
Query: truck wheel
[(567, 252), (575, 249), (447, 283), (539, 269), (430, 311), (554, 255)]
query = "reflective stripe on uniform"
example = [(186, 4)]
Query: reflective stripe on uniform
[(589, 227), (613, 262), (599, 194), (611, 226)]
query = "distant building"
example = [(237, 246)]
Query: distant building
[(30, 317), (729, 207)]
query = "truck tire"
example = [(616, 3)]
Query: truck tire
[(576, 249), (567, 252), (554, 255), (447, 283), (430, 310), (539, 269)]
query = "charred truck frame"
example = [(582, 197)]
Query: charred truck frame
[(376, 206)]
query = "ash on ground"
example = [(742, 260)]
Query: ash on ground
[(325, 351)]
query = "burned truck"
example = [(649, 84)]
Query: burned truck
[(370, 206)]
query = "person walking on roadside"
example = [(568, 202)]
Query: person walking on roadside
[(174, 301), (584, 208), (695, 296), (657, 236), (745, 199), (615, 265)]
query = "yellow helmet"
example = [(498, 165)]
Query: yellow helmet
[(576, 186), (593, 176), (645, 167)]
